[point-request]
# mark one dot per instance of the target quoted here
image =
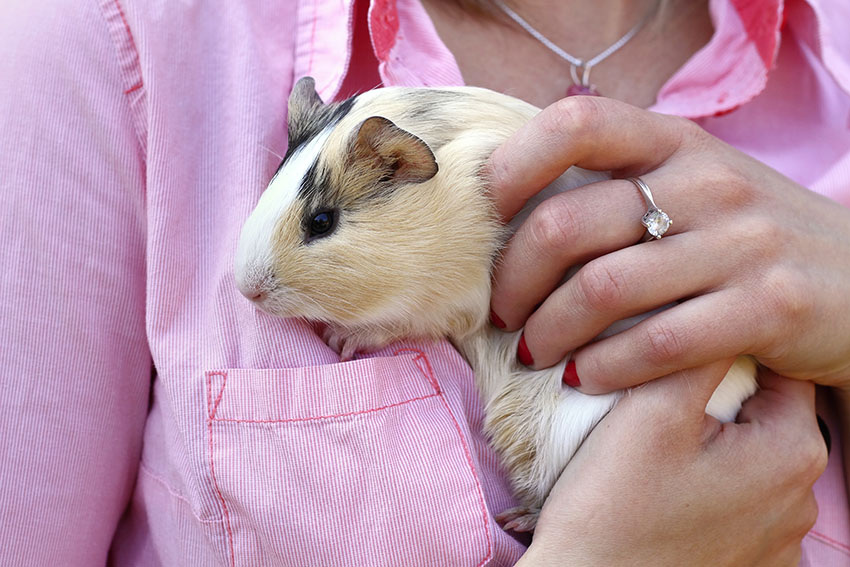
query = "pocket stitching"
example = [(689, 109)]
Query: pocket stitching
[(211, 409), (467, 453), (427, 372), (320, 417)]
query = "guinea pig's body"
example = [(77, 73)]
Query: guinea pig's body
[(378, 224)]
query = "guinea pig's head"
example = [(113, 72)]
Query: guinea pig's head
[(358, 228)]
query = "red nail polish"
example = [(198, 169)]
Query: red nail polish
[(523, 353), (571, 376), (496, 320)]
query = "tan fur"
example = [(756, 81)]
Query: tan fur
[(430, 277), (413, 258)]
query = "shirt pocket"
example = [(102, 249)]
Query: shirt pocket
[(355, 463)]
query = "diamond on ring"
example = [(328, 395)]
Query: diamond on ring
[(655, 220)]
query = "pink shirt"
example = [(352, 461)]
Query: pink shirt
[(149, 414)]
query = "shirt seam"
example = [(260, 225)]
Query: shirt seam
[(833, 543), (144, 469), (424, 366), (128, 60)]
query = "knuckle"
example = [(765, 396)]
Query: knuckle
[(602, 285), (809, 515), (763, 235), (744, 189), (692, 138), (573, 116), (811, 460), (785, 297), (689, 130), (816, 459), (553, 226), (732, 188), (663, 343)]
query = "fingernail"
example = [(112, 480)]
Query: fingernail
[(496, 320), (571, 376), (827, 437), (523, 353)]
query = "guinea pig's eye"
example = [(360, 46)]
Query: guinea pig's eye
[(321, 224)]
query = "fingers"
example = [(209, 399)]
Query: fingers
[(780, 399), (781, 418), (591, 132), (688, 335), (677, 402), (619, 285), (785, 408), (563, 231), (574, 227)]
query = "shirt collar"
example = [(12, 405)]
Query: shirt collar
[(733, 67), (729, 71), (324, 32)]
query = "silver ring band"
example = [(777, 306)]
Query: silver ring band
[(655, 220)]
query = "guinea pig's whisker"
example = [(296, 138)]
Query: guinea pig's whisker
[(272, 152), (321, 308), (335, 299)]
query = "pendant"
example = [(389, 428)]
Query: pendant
[(576, 89)]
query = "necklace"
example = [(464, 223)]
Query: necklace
[(581, 84)]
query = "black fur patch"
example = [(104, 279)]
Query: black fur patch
[(314, 185), (321, 117), (427, 104), (317, 192), (316, 189)]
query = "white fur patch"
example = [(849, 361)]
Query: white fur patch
[(254, 257)]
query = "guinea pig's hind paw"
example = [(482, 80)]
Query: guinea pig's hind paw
[(519, 519)]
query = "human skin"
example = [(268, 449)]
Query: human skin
[(763, 263), (675, 474), (496, 54), (742, 232)]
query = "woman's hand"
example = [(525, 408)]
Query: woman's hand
[(660, 483), (760, 264)]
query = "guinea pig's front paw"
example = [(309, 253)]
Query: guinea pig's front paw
[(340, 342), (345, 343), (519, 519)]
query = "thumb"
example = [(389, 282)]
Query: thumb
[(679, 399), (780, 398)]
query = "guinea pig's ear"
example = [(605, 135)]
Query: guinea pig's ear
[(397, 154), (303, 100)]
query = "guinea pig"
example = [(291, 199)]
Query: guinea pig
[(378, 223)]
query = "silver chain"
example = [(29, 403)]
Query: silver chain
[(585, 66)]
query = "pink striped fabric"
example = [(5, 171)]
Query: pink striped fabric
[(150, 416), (341, 452)]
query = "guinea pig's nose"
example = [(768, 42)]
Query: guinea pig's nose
[(255, 285), (256, 295)]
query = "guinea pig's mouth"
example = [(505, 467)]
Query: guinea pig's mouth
[(281, 301), (270, 295)]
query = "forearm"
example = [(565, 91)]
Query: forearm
[(74, 362)]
